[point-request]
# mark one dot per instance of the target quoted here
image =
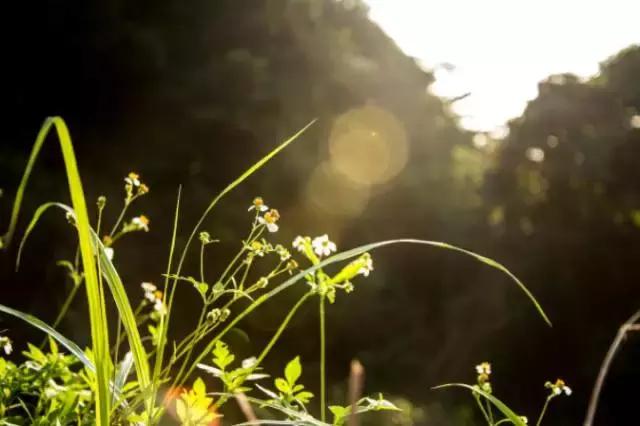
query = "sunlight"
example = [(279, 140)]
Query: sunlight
[(501, 50)]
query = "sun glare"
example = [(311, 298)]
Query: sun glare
[(500, 50)]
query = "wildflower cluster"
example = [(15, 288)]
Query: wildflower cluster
[(558, 388), (484, 372), (154, 296), (134, 187), (483, 394), (320, 247), (270, 217)]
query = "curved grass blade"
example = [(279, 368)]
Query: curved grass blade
[(509, 414), (95, 292), (41, 325), (32, 224), (349, 254)]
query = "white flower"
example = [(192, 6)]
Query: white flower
[(524, 419), (160, 307), (141, 222), (259, 205), (148, 287), (367, 267), (108, 251), (484, 368), (558, 387), (299, 243), (269, 219), (322, 246), (133, 179), (155, 296), (6, 345)]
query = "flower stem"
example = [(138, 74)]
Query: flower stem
[(323, 385), (484, 411), (544, 410)]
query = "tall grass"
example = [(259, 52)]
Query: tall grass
[(95, 292), (97, 266)]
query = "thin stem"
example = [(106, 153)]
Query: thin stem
[(544, 410), (282, 327), (489, 411), (323, 367), (484, 412), (202, 263), (63, 310), (163, 324), (122, 213), (66, 305), (604, 368)]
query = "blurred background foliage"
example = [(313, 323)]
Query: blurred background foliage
[(193, 92)]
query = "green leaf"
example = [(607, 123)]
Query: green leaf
[(222, 357), (199, 388), (304, 396), (282, 385), (202, 288), (513, 417), (293, 370), (339, 413)]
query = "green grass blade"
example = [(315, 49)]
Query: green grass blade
[(483, 259), (125, 311), (350, 254), (95, 293), (157, 368), (123, 372), (32, 224), (41, 325), (508, 413)]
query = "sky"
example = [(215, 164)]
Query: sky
[(501, 49)]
